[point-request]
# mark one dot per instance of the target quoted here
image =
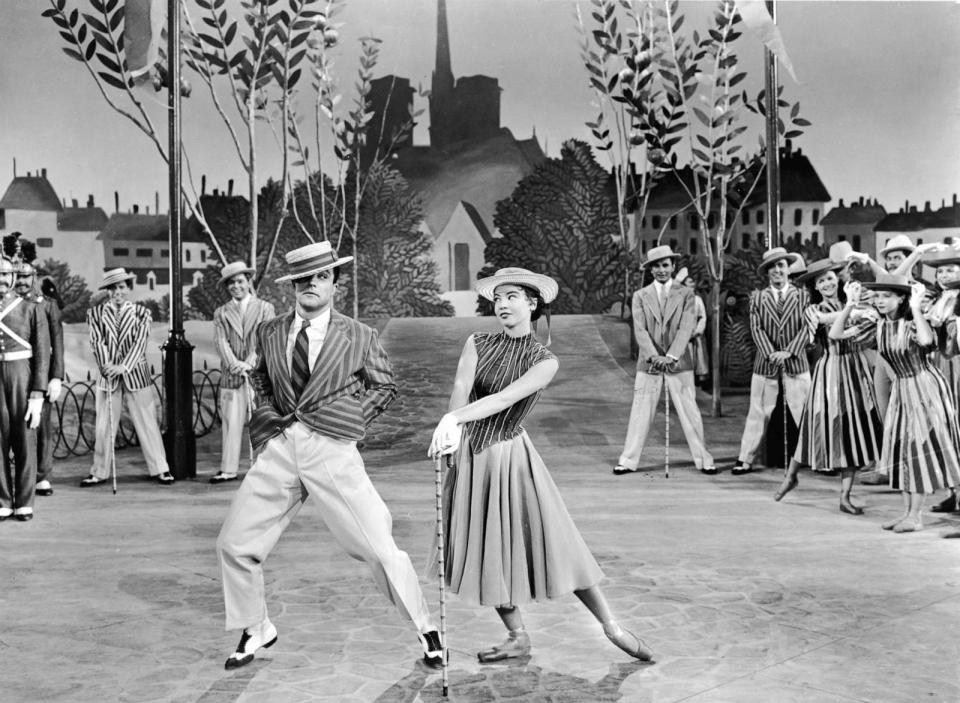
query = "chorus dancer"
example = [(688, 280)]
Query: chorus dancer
[(841, 428), (509, 538), (921, 442)]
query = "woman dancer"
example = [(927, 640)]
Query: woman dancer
[(841, 427), (921, 443), (698, 346), (509, 538)]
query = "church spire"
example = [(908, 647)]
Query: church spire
[(441, 88), (443, 71)]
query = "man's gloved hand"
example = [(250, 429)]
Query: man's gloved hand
[(34, 408), (54, 388)]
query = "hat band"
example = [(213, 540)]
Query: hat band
[(304, 267)]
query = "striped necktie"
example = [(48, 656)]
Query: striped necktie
[(300, 366)]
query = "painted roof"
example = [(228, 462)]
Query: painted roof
[(948, 216), (136, 227), (854, 215), (478, 222), (31, 193), (81, 219)]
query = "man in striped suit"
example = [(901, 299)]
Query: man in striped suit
[(781, 335), (119, 332), (235, 324), (321, 378), (664, 317)]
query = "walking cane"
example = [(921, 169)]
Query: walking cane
[(438, 477), (250, 398), (113, 439), (786, 409), (666, 416)]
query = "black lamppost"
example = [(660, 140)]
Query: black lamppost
[(179, 440)]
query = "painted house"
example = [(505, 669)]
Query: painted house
[(459, 252), (921, 226), (854, 223), (68, 234)]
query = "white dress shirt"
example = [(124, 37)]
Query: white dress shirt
[(662, 290), (316, 333)]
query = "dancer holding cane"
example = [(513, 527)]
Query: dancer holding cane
[(509, 538), (664, 318), (235, 325)]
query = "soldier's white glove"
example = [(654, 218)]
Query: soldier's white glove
[(34, 408), (446, 437), (54, 388)]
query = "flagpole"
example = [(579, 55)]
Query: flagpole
[(773, 141), (179, 439)]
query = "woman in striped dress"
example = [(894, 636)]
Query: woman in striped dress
[(509, 538), (841, 427), (921, 443)]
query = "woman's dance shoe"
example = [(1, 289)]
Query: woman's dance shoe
[(851, 509), (788, 485), (628, 642), (890, 524), (516, 645), (908, 524)]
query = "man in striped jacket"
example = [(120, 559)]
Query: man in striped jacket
[(781, 335), (235, 324), (119, 332), (321, 378)]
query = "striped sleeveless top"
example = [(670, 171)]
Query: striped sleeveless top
[(501, 360)]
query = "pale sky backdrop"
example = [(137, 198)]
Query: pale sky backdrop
[(879, 81)]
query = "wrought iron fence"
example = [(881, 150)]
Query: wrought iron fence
[(75, 412)]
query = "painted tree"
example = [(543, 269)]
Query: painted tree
[(678, 93), (562, 218), (72, 288)]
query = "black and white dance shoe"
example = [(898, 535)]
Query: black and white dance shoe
[(709, 470), (741, 468), (5, 514), (91, 480), (252, 639), (44, 489), (432, 649), (620, 470), (165, 479), (221, 477), (23, 514)]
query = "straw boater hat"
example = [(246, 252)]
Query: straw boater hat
[(659, 253), (890, 282), (544, 285), (115, 276), (840, 251), (681, 275), (942, 257), (901, 242), (311, 259), (820, 267), (797, 265), (235, 268), (772, 256)]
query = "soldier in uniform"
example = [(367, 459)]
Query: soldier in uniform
[(25, 287), (235, 326), (24, 358)]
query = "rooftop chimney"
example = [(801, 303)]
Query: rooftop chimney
[(14, 166), (861, 201), (116, 201), (74, 203), (841, 204), (230, 187), (906, 206), (954, 199), (216, 192), (147, 208), (926, 206), (136, 209), (90, 200), (913, 209), (156, 201), (203, 184), (43, 173)]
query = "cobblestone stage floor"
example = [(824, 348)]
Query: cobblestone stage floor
[(117, 598)]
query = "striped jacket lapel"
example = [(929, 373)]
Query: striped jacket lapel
[(231, 315), (790, 302), (331, 359), (275, 353)]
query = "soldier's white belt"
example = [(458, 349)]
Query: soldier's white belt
[(17, 355), (10, 333)]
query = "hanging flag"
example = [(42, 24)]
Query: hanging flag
[(142, 26), (758, 20)]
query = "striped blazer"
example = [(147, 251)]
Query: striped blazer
[(661, 331), (235, 337), (350, 385), (120, 337), (773, 331)]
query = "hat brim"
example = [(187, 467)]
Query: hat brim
[(546, 286), (128, 277), (812, 273), (905, 249), (659, 258), (248, 272), (312, 271), (892, 287), (764, 265)]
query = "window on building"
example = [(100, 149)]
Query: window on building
[(797, 238), (745, 217), (694, 222), (815, 238), (164, 253), (674, 244), (816, 217), (759, 217), (946, 240), (919, 241), (643, 223), (655, 221), (745, 240), (729, 248), (121, 251), (643, 246), (3, 218), (842, 238), (761, 236), (145, 252), (673, 222), (798, 217), (45, 242), (693, 245), (729, 218), (203, 255), (712, 220), (150, 282), (856, 242), (186, 255)]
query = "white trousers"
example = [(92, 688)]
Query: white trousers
[(234, 404), (647, 391), (763, 399), (290, 468), (142, 408)]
